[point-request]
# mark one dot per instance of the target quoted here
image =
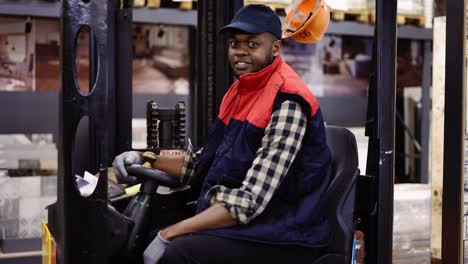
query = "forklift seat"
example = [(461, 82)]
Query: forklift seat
[(340, 195)]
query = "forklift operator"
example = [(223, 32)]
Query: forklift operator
[(264, 168)]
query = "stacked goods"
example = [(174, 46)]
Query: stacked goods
[(411, 224), (139, 3), (405, 7), (347, 5), (153, 3), (355, 10), (409, 12), (428, 12), (268, 2), (184, 4), (411, 7), (172, 62), (180, 4), (274, 4)]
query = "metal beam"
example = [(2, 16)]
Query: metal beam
[(351, 28), (123, 97), (51, 9), (426, 111), (214, 73), (376, 212), (454, 132), (385, 77), (82, 223)]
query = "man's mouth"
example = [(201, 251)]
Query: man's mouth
[(241, 65)]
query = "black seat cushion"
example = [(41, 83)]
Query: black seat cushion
[(339, 198)]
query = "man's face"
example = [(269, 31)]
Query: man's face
[(252, 52)]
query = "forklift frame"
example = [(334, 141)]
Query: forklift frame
[(77, 220), (93, 126), (454, 132), (380, 128)]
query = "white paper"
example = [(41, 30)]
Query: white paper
[(87, 184)]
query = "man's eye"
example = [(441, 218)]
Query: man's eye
[(233, 43), (252, 44)]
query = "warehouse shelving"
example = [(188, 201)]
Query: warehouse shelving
[(351, 28), (189, 17), (35, 8), (141, 15)]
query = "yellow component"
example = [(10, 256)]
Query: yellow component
[(186, 5), (153, 3), (273, 4), (49, 251), (139, 3), (133, 189), (148, 158)]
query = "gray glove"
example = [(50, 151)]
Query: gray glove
[(155, 250), (125, 159)]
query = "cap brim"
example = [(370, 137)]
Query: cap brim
[(242, 26)]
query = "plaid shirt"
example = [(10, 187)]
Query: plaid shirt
[(280, 144)]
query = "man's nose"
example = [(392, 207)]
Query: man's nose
[(240, 51)]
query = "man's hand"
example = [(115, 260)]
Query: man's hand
[(155, 250), (125, 159)]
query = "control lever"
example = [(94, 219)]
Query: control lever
[(138, 208)]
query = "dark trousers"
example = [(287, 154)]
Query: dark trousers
[(203, 249)]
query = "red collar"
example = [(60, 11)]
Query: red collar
[(258, 80)]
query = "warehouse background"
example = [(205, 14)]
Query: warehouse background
[(336, 70)]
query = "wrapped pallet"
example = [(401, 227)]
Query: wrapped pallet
[(411, 7), (274, 4), (153, 3), (410, 12), (184, 4), (267, 2), (347, 5), (428, 12), (411, 224), (139, 3), (354, 10), (405, 7)]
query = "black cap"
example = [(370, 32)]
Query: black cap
[(255, 19)]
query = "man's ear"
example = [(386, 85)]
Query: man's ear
[(276, 47)]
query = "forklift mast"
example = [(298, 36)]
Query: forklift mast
[(92, 129), (214, 75), (453, 193), (374, 212)]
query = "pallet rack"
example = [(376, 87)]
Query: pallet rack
[(28, 120)]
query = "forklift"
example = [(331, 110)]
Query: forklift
[(99, 229)]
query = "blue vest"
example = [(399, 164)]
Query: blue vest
[(294, 215)]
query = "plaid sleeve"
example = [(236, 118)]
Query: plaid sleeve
[(190, 162), (280, 144)]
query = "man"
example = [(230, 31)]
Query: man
[(263, 169)]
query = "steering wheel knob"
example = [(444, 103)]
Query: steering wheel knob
[(148, 158)]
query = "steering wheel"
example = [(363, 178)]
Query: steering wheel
[(144, 173), (138, 208)]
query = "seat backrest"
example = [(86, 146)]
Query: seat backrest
[(340, 195)]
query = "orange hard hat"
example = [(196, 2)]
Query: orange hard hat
[(307, 21)]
